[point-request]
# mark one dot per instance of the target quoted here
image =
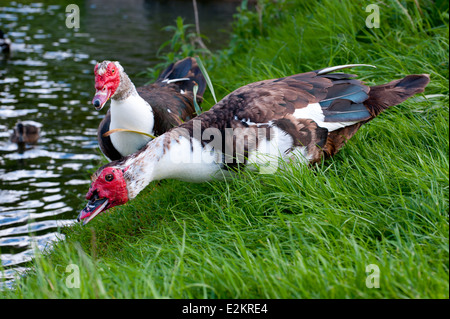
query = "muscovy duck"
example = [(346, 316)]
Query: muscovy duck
[(151, 109), (302, 117)]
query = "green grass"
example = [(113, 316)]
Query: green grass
[(302, 232)]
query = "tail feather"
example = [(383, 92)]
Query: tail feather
[(380, 98), (185, 73), (383, 96), (176, 70)]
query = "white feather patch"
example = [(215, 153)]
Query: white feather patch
[(314, 112), (175, 80), (266, 157), (339, 67), (101, 71)]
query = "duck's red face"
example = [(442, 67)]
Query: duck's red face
[(107, 80), (108, 189)]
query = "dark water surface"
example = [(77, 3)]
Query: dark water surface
[(49, 80)]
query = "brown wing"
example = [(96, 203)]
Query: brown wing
[(105, 143), (170, 107), (273, 99), (266, 101), (171, 96), (339, 96)]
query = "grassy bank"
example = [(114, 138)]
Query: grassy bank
[(299, 233)]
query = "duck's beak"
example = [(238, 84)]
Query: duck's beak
[(93, 208), (101, 97)]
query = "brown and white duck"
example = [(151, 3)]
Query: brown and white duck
[(151, 109), (303, 117)]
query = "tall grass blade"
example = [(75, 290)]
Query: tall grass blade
[(198, 109), (205, 74), (125, 130)]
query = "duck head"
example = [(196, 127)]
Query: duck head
[(107, 80), (108, 189)]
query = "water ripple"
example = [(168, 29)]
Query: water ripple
[(36, 226), (11, 196), (20, 174), (41, 243), (15, 113)]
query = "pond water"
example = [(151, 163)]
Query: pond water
[(49, 79)]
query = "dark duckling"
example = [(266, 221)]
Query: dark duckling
[(25, 133)]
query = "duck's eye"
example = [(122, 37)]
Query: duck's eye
[(109, 177), (113, 70)]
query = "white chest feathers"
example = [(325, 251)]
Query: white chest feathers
[(133, 113)]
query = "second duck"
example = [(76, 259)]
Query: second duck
[(151, 109)]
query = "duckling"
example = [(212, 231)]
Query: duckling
[(25, 133)]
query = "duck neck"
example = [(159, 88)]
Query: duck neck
[(125, 89), (141, 167), (172, 155), (131, 112)]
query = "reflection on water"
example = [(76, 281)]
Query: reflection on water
[(49, 79)]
